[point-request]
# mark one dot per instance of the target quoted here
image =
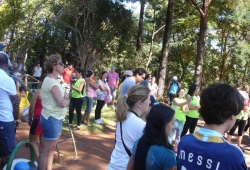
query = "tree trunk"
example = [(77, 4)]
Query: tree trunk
[(201, 42), (165, 48), (200, 50), (140, 29)]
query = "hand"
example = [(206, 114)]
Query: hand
[(30, 121), (16, 123)]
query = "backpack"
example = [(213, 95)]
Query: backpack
[(173, 87)]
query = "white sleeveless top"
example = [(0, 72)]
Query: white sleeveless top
[(37, 72)]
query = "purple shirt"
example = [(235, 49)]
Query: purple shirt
[(112, 79), (90, 90)]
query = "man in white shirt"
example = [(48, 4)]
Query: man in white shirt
[(9, 104)]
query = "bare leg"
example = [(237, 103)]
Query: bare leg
[(229, 138), (84, 118), (46, 154), (87, 119), (34, 141), (239, 139)]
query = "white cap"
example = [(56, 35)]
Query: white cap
[(175, 78), (128, 73)]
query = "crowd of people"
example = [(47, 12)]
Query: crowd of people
[(150, 134)]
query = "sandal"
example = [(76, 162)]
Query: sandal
[(89, 125)]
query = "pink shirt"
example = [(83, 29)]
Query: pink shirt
[(90, 90), (112, 79)]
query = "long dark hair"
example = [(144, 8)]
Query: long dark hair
[(191, 89), (103, 72), (81, 71), (154, 133)]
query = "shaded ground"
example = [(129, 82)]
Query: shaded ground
[(93, 150)]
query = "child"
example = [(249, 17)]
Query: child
[(180, 105), (153, 150), (35, 112), (24, 103)]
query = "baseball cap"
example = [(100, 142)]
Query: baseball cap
[(128, 73), (174, 77), (113, 67)]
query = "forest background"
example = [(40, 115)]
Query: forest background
[(200, 41)]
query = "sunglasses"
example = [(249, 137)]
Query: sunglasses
[(60, 63)]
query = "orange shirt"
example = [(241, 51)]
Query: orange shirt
[(67, 75)]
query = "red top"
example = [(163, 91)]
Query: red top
[(38, 109), (67, 75)]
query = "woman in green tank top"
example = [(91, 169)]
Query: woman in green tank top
[(76, 98), (180, 105), (194, 106)]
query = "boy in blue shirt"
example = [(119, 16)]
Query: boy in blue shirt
[(206, 148)]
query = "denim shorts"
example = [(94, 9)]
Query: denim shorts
[(51, 127), (7, 138), (89, 105)]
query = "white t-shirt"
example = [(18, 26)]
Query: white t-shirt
[(7, 89), (37, 72), (132, 129), (20, 66), (50, 107), (101, 94)]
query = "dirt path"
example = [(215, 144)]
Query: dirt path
[(93, 150)]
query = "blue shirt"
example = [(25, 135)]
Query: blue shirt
[(207, 149), (158, 157), (145, 83), (127, 83)]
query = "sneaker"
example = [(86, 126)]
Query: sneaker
[(100, 120), (76, 128), (113, 106)]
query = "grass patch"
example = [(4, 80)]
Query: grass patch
[(107, 116)]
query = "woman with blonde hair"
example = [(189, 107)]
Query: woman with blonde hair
[(54, 102), (129, 128)]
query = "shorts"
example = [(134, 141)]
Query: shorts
[(113, 92), (35, 127), (52, 128), (7, 138), (89, 105)]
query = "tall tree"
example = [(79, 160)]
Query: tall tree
[(165, 48), (203, 10)]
